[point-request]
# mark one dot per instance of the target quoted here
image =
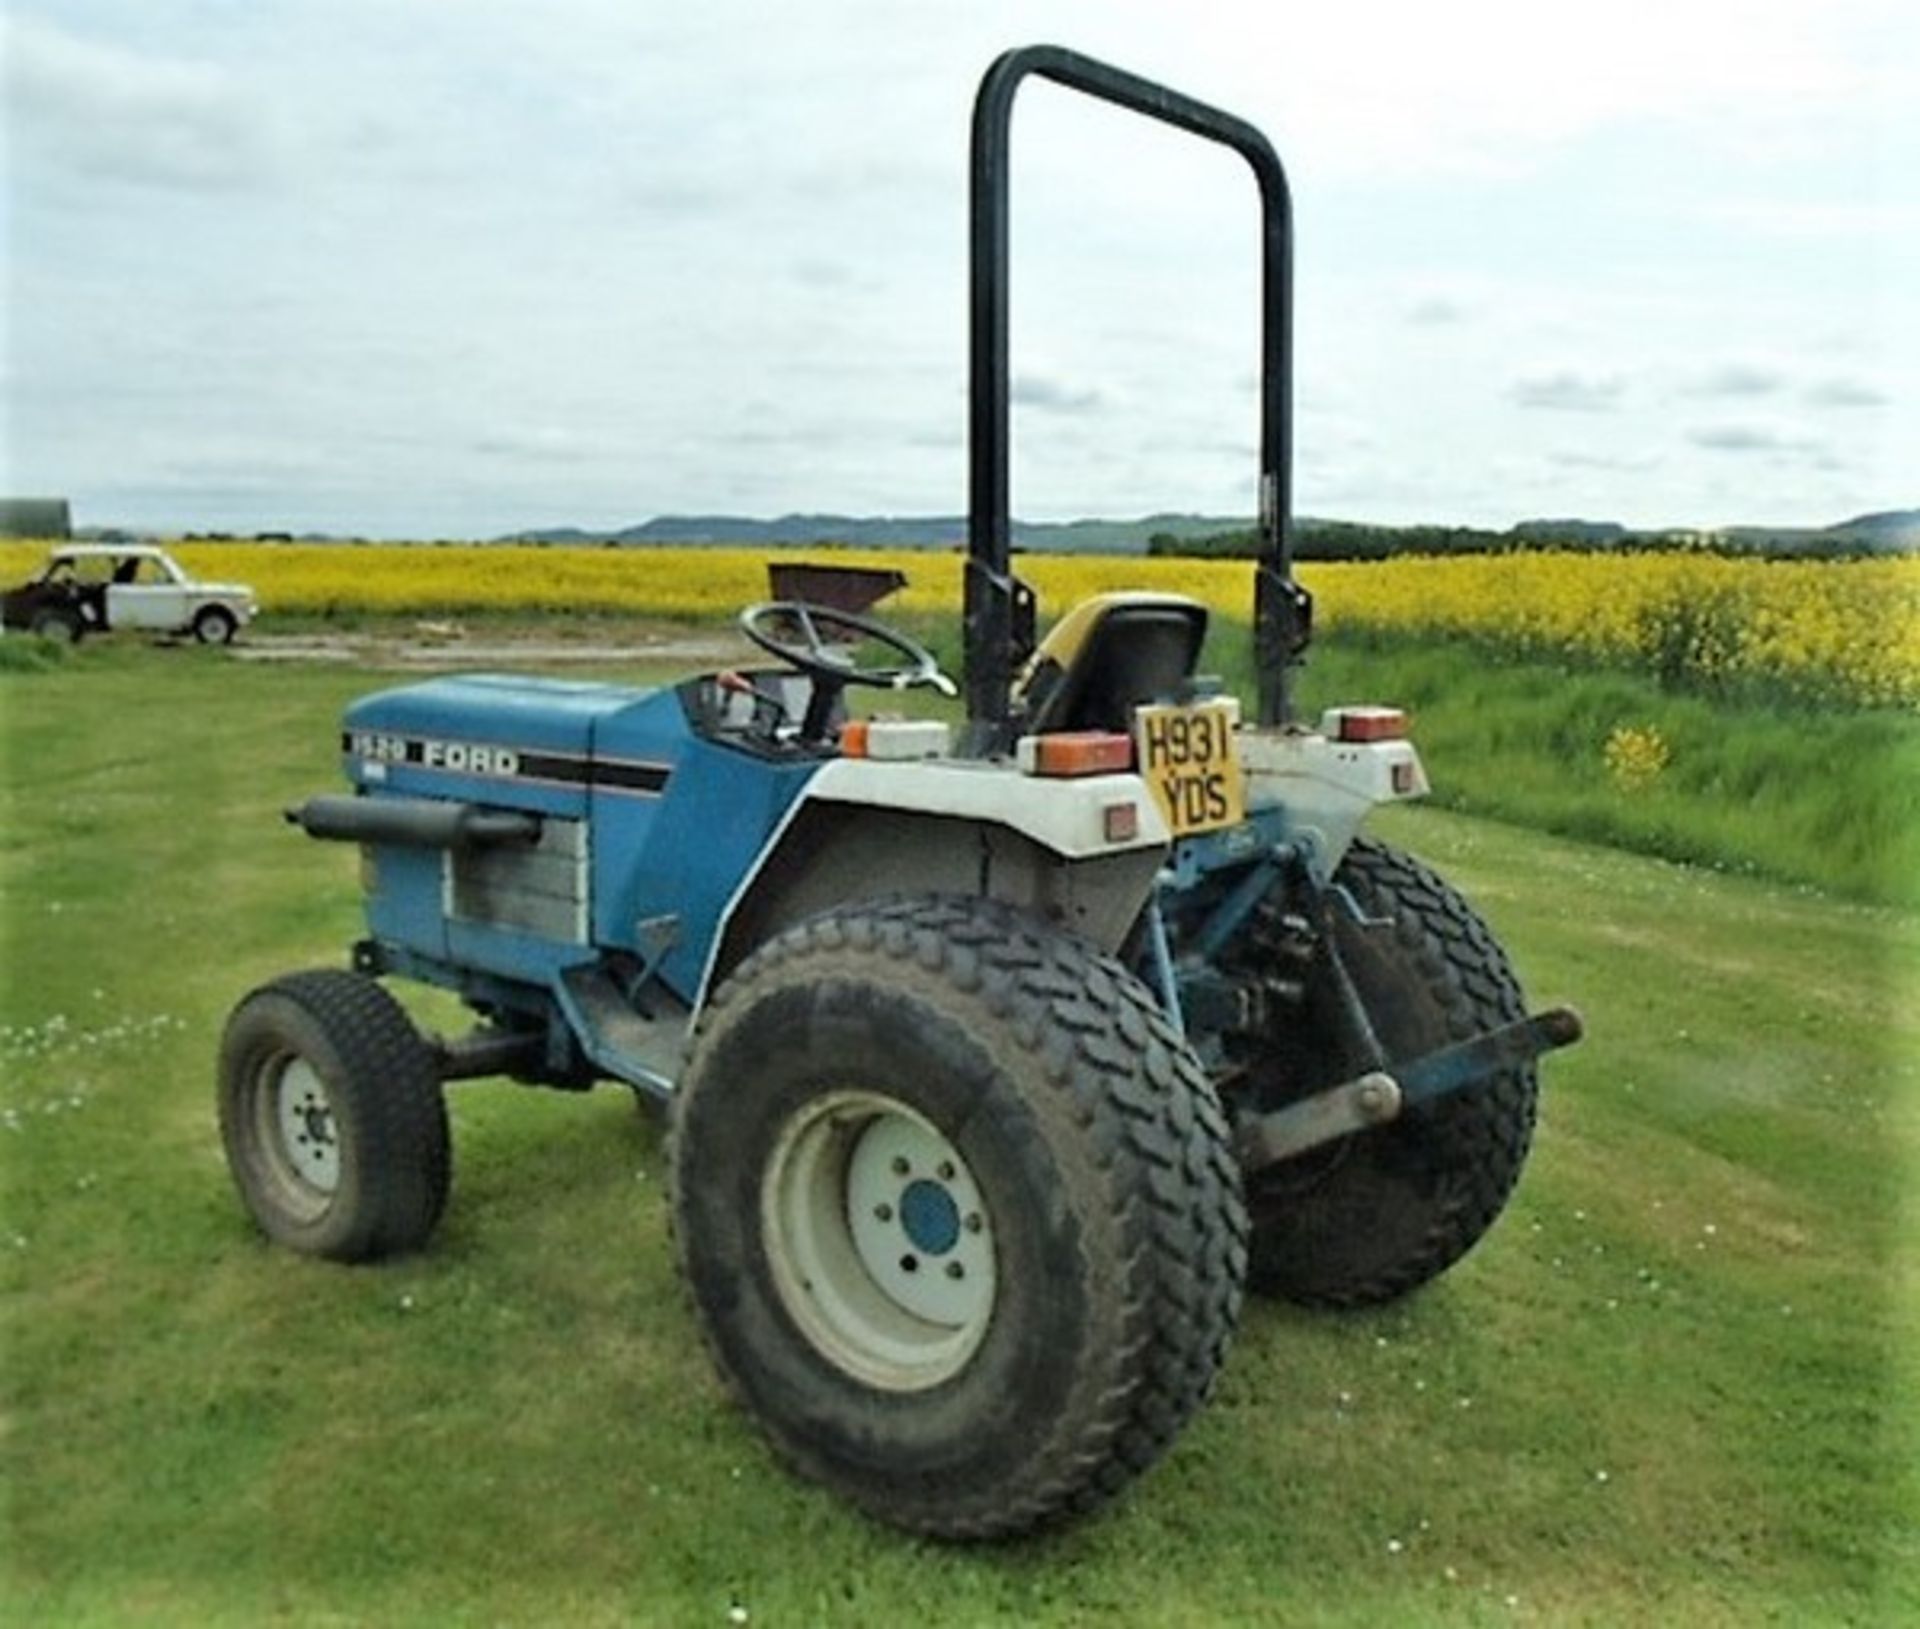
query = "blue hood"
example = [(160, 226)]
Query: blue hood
[(495, 737)]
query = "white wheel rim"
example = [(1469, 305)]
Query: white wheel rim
[(303, 1117), (879, 1240)]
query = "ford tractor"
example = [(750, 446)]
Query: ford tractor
[(999, 1056)]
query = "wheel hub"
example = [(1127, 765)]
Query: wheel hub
[(880, 1240), (930, 1217), (305, 1119), (910, 1204)]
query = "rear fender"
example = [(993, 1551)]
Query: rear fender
[(1322, 790), (865, 830)]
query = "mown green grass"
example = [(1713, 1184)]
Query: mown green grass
[(1676, 1385)]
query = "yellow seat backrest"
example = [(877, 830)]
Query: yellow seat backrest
[(1105, 657)]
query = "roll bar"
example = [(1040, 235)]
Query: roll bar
[(1282, 609)]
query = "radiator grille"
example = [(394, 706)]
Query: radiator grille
[(540, 889)]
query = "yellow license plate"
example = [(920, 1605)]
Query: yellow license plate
[(1187, 757)]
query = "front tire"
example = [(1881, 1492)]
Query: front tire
[(1376, 1215), (958, 1212), (333, 1117), (215, 626)]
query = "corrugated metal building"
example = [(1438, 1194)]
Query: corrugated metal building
[(35, 517)]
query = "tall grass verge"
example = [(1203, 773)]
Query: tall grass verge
[(24, 653), (1823, 796)]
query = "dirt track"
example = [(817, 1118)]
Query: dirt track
[(431, 646)]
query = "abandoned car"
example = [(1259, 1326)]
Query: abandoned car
[(91, 588)]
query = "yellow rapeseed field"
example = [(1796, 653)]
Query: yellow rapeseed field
[(1842, 630)]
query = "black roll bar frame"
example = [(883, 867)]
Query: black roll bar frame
[(1282, 609)]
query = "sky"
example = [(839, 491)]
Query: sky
[(458, 267)]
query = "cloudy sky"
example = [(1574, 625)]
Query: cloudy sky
[(453, 267)]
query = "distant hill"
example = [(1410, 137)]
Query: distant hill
[(884, 532), (1895, 531), (1892, 529)]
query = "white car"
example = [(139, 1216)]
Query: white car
[(104, 587)]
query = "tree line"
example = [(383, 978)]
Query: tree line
[(1358, 540)]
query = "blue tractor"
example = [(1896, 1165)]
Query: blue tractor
[(998, 1062)]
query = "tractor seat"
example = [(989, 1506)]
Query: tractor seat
[(1107, 656)]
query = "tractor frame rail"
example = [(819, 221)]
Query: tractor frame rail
[(1380, 1096)]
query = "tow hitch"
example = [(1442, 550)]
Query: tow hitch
[(1378, 1096)]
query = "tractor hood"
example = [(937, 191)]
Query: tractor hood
[(499, 739)]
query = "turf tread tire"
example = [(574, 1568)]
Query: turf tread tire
[(1144, 1159), (388, 1104), (1402, 1204)]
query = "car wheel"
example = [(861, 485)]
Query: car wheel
[(59, 624), (215, 625)]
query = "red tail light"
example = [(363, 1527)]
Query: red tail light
[(1365, 724), (1076, 752)]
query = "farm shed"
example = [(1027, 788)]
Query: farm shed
[(35, 517)]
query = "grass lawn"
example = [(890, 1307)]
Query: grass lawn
[(1679, 1383)]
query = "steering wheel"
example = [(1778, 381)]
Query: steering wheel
[(792, 631)]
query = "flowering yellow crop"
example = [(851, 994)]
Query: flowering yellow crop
[(1846, 630), (1636, 756), (1840, 630)]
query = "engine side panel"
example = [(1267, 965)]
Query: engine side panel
[(498, 741), (682, 854)]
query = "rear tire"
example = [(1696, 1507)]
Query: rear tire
[(1371, 1217), (333, 1117), (958, 1212), (64, 627)]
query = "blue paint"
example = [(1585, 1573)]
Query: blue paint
[(554, 715), (685, 854), (674, 821), (407, 902), (512, 954), (526, 715), (930, 1217), (1160, 959), (1195, 858)]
